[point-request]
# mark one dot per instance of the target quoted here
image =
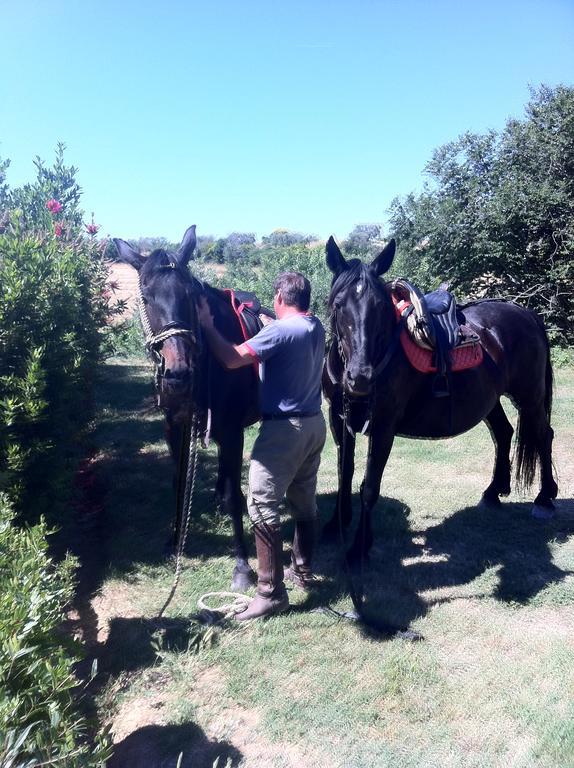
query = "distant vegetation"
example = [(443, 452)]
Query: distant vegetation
[(494, 219)]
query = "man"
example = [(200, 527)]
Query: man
[(287, 452)]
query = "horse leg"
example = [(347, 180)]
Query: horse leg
[(380, 445), (535, 437), (543, 503), (233, 503), (501, 432), (343, 511)]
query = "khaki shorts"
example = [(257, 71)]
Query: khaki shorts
[(284, 463)]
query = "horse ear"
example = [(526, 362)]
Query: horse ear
[(187, 246), (128, 255), (335, 259), (383, 261)]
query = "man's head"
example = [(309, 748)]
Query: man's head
[(293, 290)]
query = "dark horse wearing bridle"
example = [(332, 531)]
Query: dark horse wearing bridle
[(370, 384), (190, 380)]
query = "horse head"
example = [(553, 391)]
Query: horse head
[(361, 314), (167, 293)]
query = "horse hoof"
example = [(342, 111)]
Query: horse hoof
[(243, 580), (489, 503), (542, 513)]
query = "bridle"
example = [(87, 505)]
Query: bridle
[(377, 371), (155, 341)]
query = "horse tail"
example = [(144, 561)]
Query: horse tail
[(530, 428)]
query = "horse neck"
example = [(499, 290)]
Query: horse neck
[(223, 314)]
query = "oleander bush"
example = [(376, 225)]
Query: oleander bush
[(54, 331)]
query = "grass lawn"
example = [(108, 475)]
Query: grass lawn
[(492, 593)]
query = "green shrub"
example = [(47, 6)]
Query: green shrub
[(301, 257), (53, 333), (38, 718), (54, 330)]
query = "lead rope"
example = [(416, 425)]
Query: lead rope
[(190, 477)]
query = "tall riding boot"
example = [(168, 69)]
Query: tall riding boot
[(271, 594), (300, 572)]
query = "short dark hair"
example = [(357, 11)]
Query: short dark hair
[(295, 289)]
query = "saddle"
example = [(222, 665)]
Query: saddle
[(247, 308), (434, 338)]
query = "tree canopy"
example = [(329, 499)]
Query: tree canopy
[(497, 217)]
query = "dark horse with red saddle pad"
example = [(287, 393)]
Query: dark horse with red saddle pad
[(373, 385), (190, 380)]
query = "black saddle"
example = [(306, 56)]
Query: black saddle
[(247, 307), (433, 322)]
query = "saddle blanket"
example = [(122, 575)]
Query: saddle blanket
[(467, 354), (422, 359)]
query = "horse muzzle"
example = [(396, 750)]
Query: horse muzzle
[(174, 390), (358, 384)]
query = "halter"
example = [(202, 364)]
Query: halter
[(377, 372), (155, 341)]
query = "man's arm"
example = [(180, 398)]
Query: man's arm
[(229, 355)]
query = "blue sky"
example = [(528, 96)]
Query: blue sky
[(251, 115)]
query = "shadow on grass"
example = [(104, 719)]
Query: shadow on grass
[(507, 539), (159, 746), (137, 642), (402, 564), (136, 475)]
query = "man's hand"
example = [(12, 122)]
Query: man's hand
[(204, 313), (265, 318)]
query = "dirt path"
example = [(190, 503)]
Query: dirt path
[(123, 280)]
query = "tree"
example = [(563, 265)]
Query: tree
[(281, 238), (238, 246), (364, 241), (3, 189), (498, 217)]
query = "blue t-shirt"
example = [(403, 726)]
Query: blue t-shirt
[(291, 351)]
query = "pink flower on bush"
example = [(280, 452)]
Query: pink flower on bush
[(92, 228), (54, 206), (58, 229)]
